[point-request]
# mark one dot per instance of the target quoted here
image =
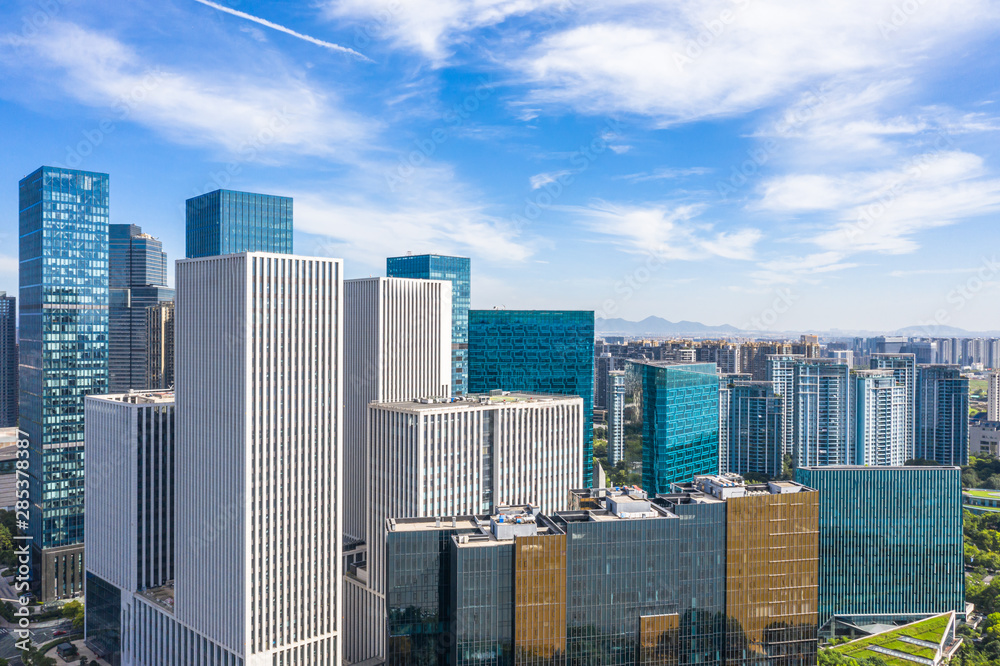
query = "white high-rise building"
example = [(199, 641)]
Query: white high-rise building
[(993, 398), (904, 368), (439, 458), (616, 416), (397, 346), (878, 418), (781, 372), (257, 526)]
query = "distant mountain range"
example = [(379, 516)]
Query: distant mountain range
[(659, 327)]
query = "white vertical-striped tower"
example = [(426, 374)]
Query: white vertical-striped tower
[(397, 346), (993, 397), (258, 491)]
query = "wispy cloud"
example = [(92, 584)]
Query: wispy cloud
[(666, 231), (251, 119), (281, 28), (665, 174)]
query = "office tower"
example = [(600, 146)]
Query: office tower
[(457, 271), (137, 279), (680, 422), (616, 416), (888, 344), (228, 222), (822, 413), (845, 356), (771, 569), (63, 274), (781, 374), (925, 352), (993, 397), (754, 428), (130, 521), (8, 361), (878, 418), (397, 346), (603, 364), (984, 437), (438, 457), (258, 475), (160, 345), (942, 421), (890, 542), (538, 351), (904, 368)]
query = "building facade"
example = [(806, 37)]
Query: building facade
[(160, 345), (449, 457), (755, 429), (8, 361), (879, 414), (456, 270), (942, 420), (891, 545), (130, 489), (63, 272), (822, 413), (680, 422), (137, 280), (993, 397), (984, 437), (537, 351), (904, 369), (228, 222), (616, 416)]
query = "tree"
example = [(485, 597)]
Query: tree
[(6, 543), (74, 611), (787, 467)]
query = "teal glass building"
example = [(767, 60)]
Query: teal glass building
[(63, 270), (228, 222), (457, 271), (680, 422), (942, 422), (537, 351), (890, 542)]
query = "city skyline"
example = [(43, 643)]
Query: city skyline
[(867, 156)]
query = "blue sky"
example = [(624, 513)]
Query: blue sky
[(795, 165)]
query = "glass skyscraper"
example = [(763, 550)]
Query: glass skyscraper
[(456, 270), (680, 422), (821, 412), (890, 542), (228, 222), (942, 422), (137, 278), (63, 356), (754, 425), (539, 351)]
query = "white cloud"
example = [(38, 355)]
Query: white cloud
[(667, 232), (247, 117), (543, 179)]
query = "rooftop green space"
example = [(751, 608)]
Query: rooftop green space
[(931, 630)]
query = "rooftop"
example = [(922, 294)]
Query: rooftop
[(497, 399), (162, 596), (138, 397)]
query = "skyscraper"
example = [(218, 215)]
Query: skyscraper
[(603, 364), (822, 413), (890, 542), (137, 279), (680, 422), (993, 397), (539, 351), (457, 271), (878, 418), (942, 421), (397, 344), (228, 222), (160, 345), (63, 357), (259, 462), (8, 361), (781, 373), (450, 457), (904, 368), (754, 427), (616, 416), (130, 520)]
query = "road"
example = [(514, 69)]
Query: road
[(42, 633)]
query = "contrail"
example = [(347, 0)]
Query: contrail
[(281, 28)]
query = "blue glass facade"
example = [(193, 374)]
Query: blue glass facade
[(942, 423), (541, 351), (228, 222), (457, 271), (680, 423), (137, 278), (8, 361), (753, 419), (63, 340), (890, 540)]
